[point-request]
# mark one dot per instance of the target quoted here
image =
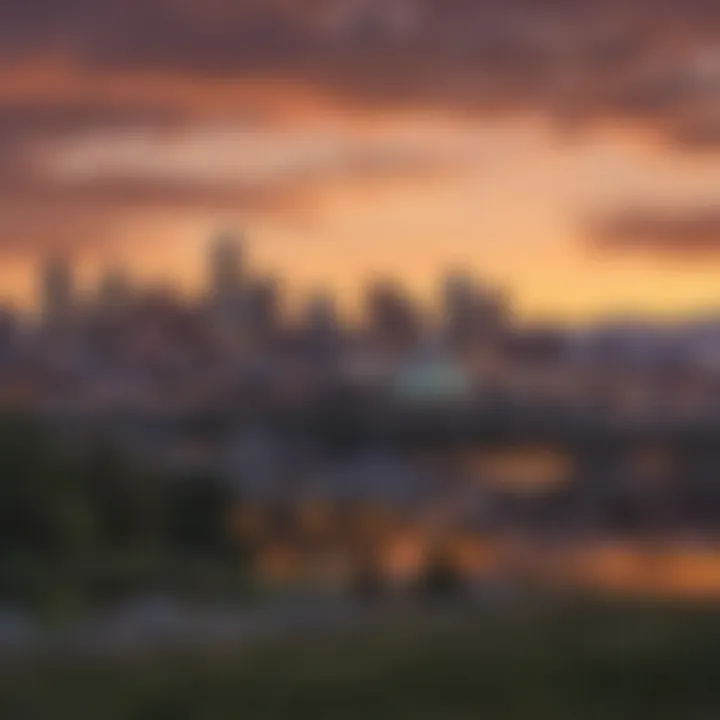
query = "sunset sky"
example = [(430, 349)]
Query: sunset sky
[(568, 150)]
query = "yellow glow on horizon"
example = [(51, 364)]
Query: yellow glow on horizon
[(505, 197)]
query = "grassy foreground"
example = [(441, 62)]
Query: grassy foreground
[(578, 663)]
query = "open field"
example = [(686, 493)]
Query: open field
[(555, 662)]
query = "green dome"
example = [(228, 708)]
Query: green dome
[(432, 379)]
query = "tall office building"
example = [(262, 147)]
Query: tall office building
[(226, 285), (225, 268), (472, 313), (321, 316), (114, 290), (57, 292), (393, 320), (262, 308), (461, 302)]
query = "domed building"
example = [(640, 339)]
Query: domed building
[(432, 377)]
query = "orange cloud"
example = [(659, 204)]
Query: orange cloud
[(685, 233)]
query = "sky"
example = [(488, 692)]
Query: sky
[(566, 150)]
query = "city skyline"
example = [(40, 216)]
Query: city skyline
[(227, 261), (231, 281), (326, 318), (568, 154)]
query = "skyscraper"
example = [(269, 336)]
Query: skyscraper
[(114, 290), (57, 292), (393, 320), (262, 307), (226, 288), (321, 318), (225, 269), (472, 312), (461, 304)]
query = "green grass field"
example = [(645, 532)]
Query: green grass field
[(577, 662)]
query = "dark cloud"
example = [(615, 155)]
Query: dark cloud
[(81, 218), (47, 119), (169, 65), (674, 233), (44, 209), (30, 228), (576, 59), (113, 194)]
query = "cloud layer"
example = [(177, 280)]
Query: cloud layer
[(672, 233), (579, 60), (76, 72)]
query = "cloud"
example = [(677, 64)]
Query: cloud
[(68, 188), (78, 72), (674, 233), (226, 166), (584, 60), (29, 229)]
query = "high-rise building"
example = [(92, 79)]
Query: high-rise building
[(321, 316), (57, 291), (226, 292), (225, 269), (114, 290), (472, 313), (461, 301), (393, 320), (262, 308)]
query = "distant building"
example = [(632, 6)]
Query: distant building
[(393, 321), (225, 266), (9, 327), (321, 319), (432, 377), (226, 280), (472, 314), (114, 290), (262, 307), (57, 292)]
